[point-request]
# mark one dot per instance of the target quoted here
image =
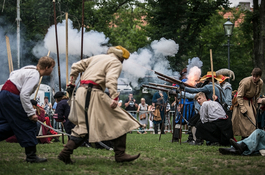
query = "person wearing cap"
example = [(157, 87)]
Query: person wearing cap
[(244, 112), (227, 89), (226, 86), (62, 110), (17, 115), (99, 117)]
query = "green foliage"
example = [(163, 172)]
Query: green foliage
[(212, 37), (181, 21)]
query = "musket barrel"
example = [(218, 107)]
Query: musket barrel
[(172, 79), (165, 79), (156, 88), (164, 86)]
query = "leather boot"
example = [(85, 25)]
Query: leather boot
[(176, 135), (66, 152), (119, 149), (190, 138), (31, 155), (156, 128), (229, 151), (240, 147)]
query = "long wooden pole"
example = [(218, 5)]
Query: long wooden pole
[(9, 55), (40, 81), (211, 57), (57, 48), (66, 50), (82, 37)]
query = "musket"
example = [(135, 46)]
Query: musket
[(166, 79), (164, 86), (176, 81), (156, 88)]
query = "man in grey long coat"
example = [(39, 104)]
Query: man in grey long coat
[(105, 119)]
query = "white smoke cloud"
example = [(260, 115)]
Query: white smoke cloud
[(92, 42), (194, 62), (165, 47), (5, 29), (142, 63)]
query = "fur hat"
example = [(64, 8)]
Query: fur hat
[(120, 52)]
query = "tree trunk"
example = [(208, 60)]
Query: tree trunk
[(259, 36)]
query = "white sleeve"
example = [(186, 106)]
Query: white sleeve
[(204, 113), (29, 86)]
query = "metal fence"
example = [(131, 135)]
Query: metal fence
[(170, 115)]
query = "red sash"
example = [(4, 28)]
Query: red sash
[(11, 87)]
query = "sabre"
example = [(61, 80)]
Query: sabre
[(250, 120), (102, 144), (61, 132)]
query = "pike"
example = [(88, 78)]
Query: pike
[(176, 81), (164, 86)]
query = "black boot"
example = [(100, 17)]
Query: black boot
[(240, 147), (156, 128), (229, 151), (119, 149), (66, 152), (176, 135), (190, 138), (31, 155), (162, 128)]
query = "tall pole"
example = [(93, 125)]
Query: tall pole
[(66, 50), (57, 48), (228, 46), (18, 33), (82, 37), (211, 59)]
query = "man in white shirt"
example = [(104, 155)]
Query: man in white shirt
[(17, 115), (215, 127)]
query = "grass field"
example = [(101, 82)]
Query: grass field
[(156, 157)]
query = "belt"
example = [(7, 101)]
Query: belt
[(94, 86)]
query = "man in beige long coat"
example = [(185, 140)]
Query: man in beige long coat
[(106, 120), (247, 95)]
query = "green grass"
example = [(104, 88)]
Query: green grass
[(156, 157)]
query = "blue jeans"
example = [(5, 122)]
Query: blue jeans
[(254, 142)]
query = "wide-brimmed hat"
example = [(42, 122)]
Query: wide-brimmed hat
[(209, 75), (223, 78)]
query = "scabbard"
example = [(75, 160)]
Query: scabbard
[(88, 96)]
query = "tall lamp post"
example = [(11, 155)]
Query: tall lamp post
[(228, 28)]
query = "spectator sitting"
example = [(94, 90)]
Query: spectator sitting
[(214, 126)]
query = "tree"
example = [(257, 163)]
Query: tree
[(212, 37), (258, 21), (181, 21)]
